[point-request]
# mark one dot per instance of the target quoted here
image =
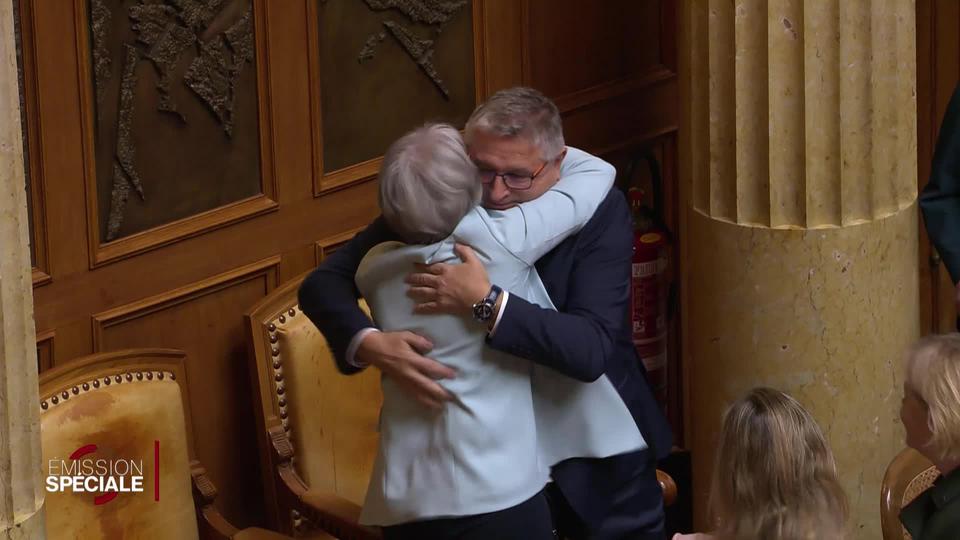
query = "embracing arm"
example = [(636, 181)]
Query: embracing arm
[(329, 295), (578, 341), (940, 199), (533, 228)]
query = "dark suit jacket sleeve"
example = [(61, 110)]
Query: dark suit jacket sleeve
[(578, 341), (329, 295), (940, 200)]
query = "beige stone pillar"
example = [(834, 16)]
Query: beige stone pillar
[(799, 160), (21, 487)]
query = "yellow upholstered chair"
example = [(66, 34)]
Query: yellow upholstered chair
[(318, 428), (908, 475), (120, 407)]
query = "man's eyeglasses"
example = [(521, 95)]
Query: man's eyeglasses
[(511, 180)]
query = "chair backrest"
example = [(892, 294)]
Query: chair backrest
[(331, 419), (907, 476), (130, 405)]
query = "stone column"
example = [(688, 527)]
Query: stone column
[(799, 159), (21, 486)]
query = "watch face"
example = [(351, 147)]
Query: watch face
[(482, 312)]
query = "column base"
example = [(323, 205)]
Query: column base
[(32, 528), (823, 314)]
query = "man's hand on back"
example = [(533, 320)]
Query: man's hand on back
[(449, 288), (399, 355)]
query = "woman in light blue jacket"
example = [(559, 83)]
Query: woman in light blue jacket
[(491, 447)]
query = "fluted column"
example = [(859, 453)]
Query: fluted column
[(799, 159), (21, 488)]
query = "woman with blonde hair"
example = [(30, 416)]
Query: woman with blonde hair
[(930, 413), (774, 476)]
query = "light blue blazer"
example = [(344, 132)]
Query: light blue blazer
[(492, 446)]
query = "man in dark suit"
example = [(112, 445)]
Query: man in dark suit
[(940, 199), (588, 279)]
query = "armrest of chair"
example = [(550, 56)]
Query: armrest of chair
[(212, 523), (669, 487), (326, 511)]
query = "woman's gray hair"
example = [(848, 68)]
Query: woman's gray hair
[(427, 184), (521, 112)]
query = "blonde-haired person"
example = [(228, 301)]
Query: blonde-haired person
[(930, 413), (774, 476)]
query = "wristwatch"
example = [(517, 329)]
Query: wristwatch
[(483, 310)]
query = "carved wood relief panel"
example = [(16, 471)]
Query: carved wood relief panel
[(173, 114), (382, 68)]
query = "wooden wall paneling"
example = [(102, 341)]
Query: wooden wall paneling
[(669, 32), (324, 247), (33, 149), (571, 49), (59, 135), (204, 320), (298, 225), (101, 251), (614, 89), (208, 325), (500, 29), (367, 169), (925, 137), (672, 216), (45, 358), (612, 70), (938, 70), (627, 119), (297, 261), (187, 284), (664, 150)]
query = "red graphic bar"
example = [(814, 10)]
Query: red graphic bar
[(156, 470), (83, 450), (105, 498)]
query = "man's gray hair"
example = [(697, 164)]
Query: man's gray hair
[(427, 184), (521, 112)]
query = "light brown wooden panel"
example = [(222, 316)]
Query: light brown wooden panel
[(328, 245), (197, 318), (571, 49), (45, 350), (627, 119), (417, 98), (500, 26), (938, 71), (615, 88)]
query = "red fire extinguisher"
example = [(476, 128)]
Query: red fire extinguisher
[(650, 285)]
